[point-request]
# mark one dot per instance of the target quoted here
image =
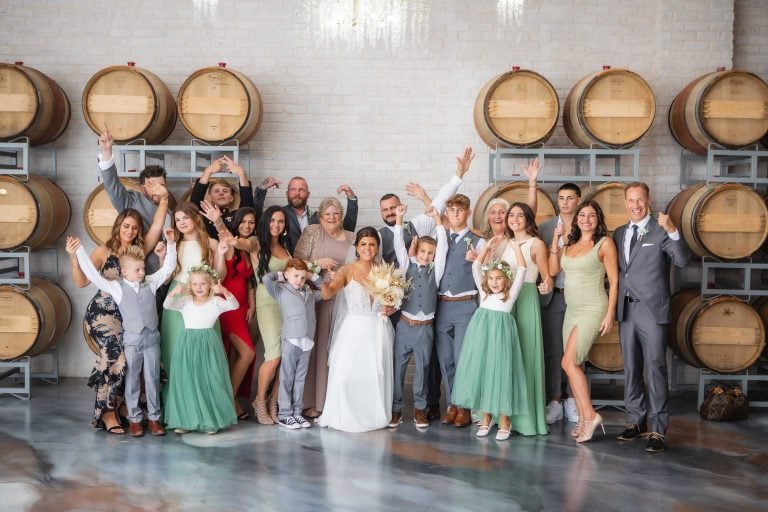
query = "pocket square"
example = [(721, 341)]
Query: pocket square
[(647, 245)]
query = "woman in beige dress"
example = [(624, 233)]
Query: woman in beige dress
[(326, 244)]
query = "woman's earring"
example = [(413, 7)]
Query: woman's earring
[(357, 255)]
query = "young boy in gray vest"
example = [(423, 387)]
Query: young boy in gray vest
[(134, 294), (297, 305), (414, 333), (457, 298)]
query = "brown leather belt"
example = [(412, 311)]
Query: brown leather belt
[(410, 321), (448, 298)]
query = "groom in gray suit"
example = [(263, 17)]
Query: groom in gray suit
[(646, 249)]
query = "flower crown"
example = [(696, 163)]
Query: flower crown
[(498, 264), (206, 269)]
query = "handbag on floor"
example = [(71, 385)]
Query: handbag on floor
[(724, 403)]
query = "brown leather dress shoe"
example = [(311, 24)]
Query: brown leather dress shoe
[(420, 418), (397, 419), (450, 415), (463, 418), (136, 429), (155, 428)]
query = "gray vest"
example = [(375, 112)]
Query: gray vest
[(457, 277), (423, 293), (388, 243), (139, 312)]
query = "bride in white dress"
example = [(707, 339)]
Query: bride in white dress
[(359, 394)]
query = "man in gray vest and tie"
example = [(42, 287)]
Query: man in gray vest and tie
[(457, 299), (646, 249), (135, 297)]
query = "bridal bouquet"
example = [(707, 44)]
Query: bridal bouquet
[(387, 284)]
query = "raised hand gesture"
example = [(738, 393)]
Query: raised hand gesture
[(105, 143), (347, 191), (170, 235), (233, 166), (210, 211), (666, 222), (464, 161), (532, 171), (73, 243), (269, 182)]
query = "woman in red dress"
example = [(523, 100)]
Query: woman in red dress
[(234, 324)]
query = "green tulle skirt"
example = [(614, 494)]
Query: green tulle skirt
[(528, 318), (199, 393), (490, 377)]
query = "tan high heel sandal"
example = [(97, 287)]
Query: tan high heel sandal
[(262, 415), (273, 410), (576, 432)]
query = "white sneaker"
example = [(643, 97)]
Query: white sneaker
[(571, 411), (554, 412)]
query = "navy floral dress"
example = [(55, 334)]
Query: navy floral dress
[(105, 326)]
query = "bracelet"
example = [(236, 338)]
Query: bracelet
[(554, 252)]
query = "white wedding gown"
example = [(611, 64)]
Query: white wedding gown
[(359, 393)]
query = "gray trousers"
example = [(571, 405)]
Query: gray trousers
[(452, 320), (294, 364), (416, 340), (552, 318), (143, 354), (644, 350)]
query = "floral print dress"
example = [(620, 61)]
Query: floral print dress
[(105, 326)]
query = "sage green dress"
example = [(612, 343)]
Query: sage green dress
[(268, 314), (585, 299)]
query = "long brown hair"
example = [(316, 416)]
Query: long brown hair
[(202, 235), (530, 220), (113, 244), (600, 232)]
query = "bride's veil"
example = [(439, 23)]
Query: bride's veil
[(340, 308)]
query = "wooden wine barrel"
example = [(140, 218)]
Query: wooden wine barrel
[(517, 108), (218, 104), (34, 212), (31, 320), (726, 221), (610, 197), (605, 353), (235, 186), (761, 306), (98, 213), (513, 192), (133, 102), (729, 108), (613, 107), (31, 105), (724, 334)]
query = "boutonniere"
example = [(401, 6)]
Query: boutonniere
[(468, 243), (313, 267), (642, 233), (430, 267), (407, 228)]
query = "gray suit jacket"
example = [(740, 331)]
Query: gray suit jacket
[(121, 198), (296, 306), (646, 275)]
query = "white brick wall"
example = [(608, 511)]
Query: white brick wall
[(376, 116)]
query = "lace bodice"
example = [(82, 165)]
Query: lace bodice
[(358, 301), (190, 254)]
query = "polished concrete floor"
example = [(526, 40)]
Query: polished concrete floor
[(52, 460)]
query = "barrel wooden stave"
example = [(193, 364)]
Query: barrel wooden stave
[(31, 105), (727, 221), (725, 334), (31, 320), (133, 102), (605, 352), (35, 212), (513, 192), (217, 104), (610, 197), (613, 107), (517, 108), (727, 108)]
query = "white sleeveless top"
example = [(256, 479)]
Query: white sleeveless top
[(190, 254), (532, 270)]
